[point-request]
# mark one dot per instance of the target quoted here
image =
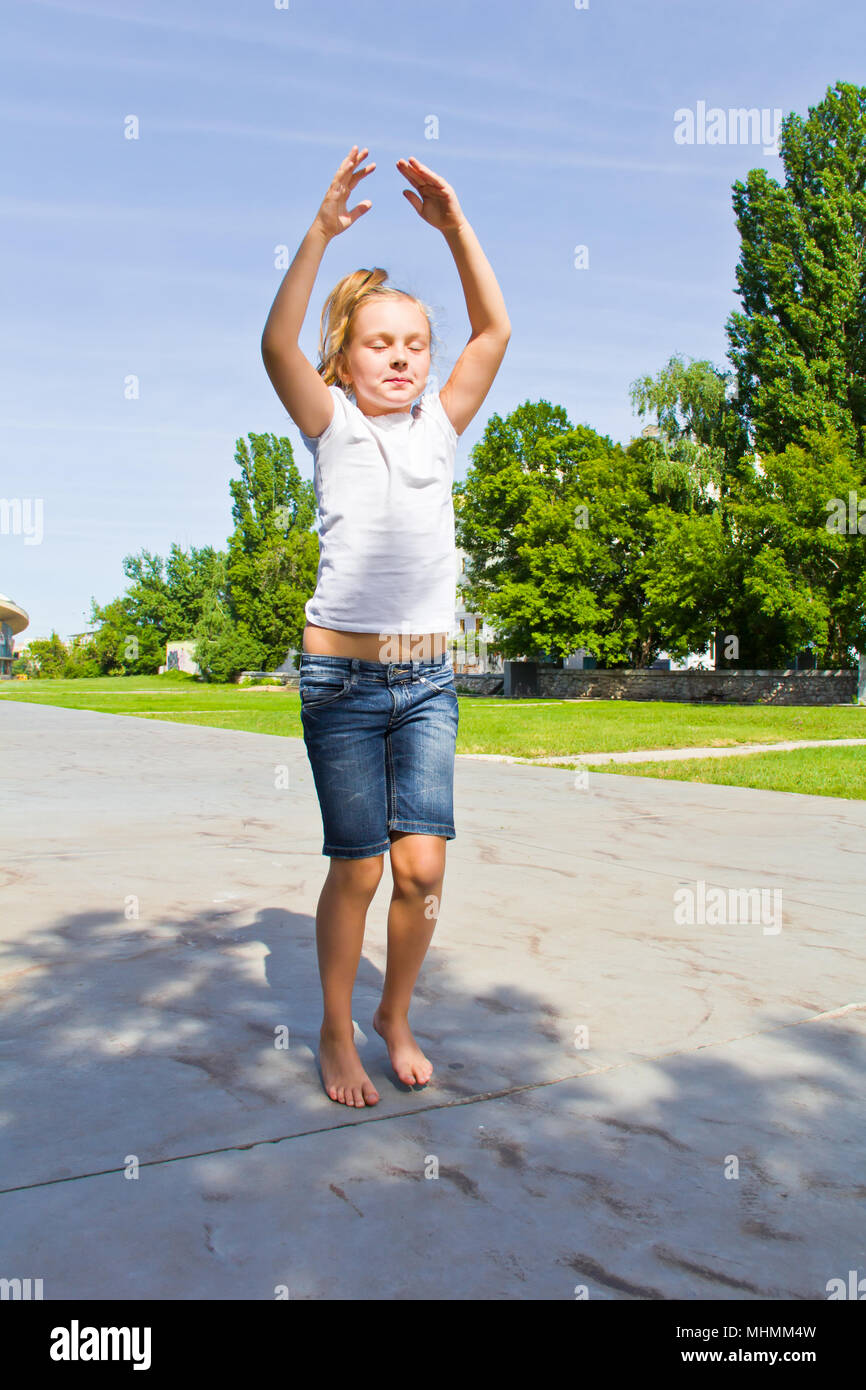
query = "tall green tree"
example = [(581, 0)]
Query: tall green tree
[(273, 552), (799, 344)]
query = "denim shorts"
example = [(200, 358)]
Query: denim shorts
[(380, 737)]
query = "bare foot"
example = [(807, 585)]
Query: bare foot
[(344, 1077), (407, 1059)]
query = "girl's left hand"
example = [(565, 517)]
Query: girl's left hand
[(438, 203)]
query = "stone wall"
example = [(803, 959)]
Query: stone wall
[(701, 687), (485, 683), (698, 687)]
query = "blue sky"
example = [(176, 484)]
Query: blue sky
[(154, 257)]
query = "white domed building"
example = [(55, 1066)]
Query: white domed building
[(12, 621)]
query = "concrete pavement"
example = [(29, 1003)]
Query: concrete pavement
[(655, 755), (624, 1103)]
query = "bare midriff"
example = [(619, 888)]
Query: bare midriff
[(374, 646)]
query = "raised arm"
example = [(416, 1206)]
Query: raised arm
[(294, 378), (476, 367)]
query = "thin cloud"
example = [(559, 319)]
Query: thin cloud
[(484, 154), (351, 49)]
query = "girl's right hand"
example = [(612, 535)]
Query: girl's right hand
[(333, 216)]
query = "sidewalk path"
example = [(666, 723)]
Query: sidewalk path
[(653, 755), (624, 1102)]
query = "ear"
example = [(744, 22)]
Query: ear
[(342, 370)]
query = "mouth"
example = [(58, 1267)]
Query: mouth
[(397, 380)]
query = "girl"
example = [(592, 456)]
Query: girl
[(378, 705)]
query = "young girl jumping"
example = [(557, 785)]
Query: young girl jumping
[(378, 704)]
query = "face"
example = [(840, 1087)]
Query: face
[(387, 360)]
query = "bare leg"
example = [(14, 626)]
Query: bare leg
[(418, 869), (340, 920)]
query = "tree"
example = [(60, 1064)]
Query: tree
[(163, 603), (273, 551), (170, 594), (82, 660), (224, 648), (552, 518), (701, 440), (796, 578), (684, 574), (799, 346), (695, 461), (49, 656), (126, 644)]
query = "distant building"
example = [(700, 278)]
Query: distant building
[(13, 620), (179, 657), (474, 650)]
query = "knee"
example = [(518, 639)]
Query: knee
[(361, 876), (419, 877)]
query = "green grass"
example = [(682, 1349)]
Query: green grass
[(810, 771), (488, 724), (530, 728)]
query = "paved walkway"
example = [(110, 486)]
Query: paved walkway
[(653, 755), (622, 1101)]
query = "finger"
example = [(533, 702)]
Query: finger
[(352, 158), (408, 173), (361, 174), (424, 170), (359, 211), (424, 184), (344, 163), (413, 199)]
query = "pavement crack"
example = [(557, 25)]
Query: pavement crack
[(633, 1059)]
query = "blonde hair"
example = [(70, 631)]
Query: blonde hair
[(339, 311)]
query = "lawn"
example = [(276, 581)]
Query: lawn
[(814, 771), (488, 724)]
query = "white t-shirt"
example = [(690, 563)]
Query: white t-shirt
[(387, 557)]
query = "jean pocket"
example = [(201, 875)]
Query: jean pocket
[(442, 680), (318, 686)]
